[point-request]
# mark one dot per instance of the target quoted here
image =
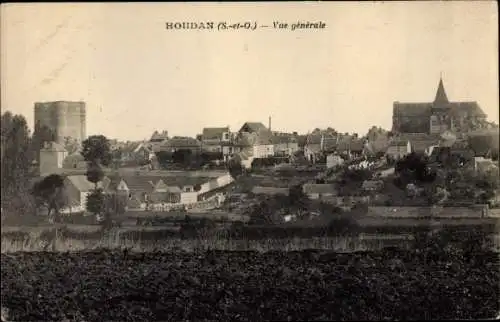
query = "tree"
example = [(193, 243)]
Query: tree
[(356, 175), (71, 145), (235, 168), (94, 173), (183, 156), (15, 162), (487, 184), (375, 133), (49, 192), (95, 202), (115, 204), (413, 167), (298, 199), (41, 134), (96, 149)]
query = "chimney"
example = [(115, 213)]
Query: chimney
[(269, 123)]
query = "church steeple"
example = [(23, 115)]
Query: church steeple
[(441, 93)]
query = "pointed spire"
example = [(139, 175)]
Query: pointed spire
[(441, 93)]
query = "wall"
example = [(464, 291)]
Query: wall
[(83, 198), (286, 148), (415, 212), (72, 210), (333, 161), (262, 151), (477, 211), (229, 149), (71, 192), (50, 161), (247, 164), (189, 197), (494, 213), (212, 147), (66, 119), (224, 180)]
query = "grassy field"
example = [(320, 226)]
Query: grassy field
[(119, 239), (341, 244)]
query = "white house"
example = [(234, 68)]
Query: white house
[(333, 161), (77, 190), (52, 157), (398, 149)]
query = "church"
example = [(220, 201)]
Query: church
[(438, 116)]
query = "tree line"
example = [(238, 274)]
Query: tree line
[(19, 155), (22, 194)]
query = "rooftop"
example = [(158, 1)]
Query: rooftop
[(214, 133), (253, 127)]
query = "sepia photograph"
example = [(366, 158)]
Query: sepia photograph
[(250, 161)]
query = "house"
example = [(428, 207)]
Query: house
[(334, 160), (495, 200), (398, 149), (313, 148), (351, 147), (318, 144), (329, 142), (218, 139), (253, 127), (421, 142), (143, 152), (181, 143), (77, 189), (376, 147), (74, 161), (284, 145), (485, 165), (320, 191), (244, 157), (262, 146), (484, 143), (166, 187), (52, 157), (259, 143), (212, 138), (132, 153), (258, 136), (157, 139)]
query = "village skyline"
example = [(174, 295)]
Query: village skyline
[(181, 81)]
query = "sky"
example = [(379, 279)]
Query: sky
[(137, 77)]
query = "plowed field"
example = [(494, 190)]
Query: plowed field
[(249, 286)]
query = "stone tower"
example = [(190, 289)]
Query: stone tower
[(64, 118)]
